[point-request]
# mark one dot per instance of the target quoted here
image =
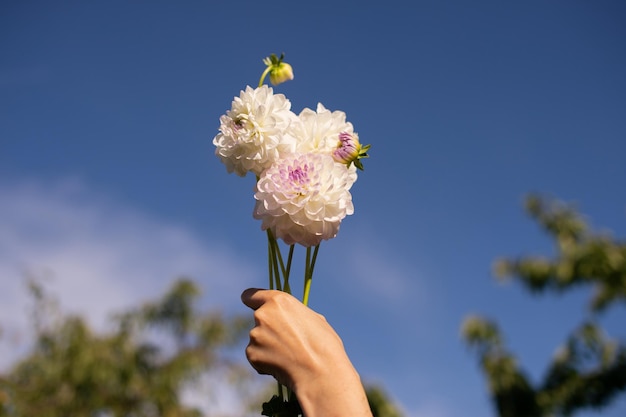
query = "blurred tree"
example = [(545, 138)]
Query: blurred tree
[(590, 369), (137, 370), (380, 403)]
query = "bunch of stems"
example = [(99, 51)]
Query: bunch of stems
[(279, 277)]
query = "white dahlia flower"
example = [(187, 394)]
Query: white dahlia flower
[(303, 198), (318, 131), (253, 133)]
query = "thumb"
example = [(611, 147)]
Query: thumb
[(255, 297)]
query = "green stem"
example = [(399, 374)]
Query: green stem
[(280, 391), (317, 248), (267, 70), (279, 257), (270, 263), (287, 271), (308, 273), (307, 289), (279, 285), (273, 258)]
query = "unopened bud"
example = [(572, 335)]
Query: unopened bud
[(349, 150), (278, 70), (281, 73)]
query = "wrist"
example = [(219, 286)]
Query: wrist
[(335, 390)]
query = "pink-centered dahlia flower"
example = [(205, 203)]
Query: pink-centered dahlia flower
[(303, 198), (254, 132)]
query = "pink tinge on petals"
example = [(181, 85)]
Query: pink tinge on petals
[(298, 175), (345, 137), (348, 149), (303, 198)]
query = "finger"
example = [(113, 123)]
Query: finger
[(254, 297)]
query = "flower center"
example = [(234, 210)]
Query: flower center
[(298, 176), (299, 179)]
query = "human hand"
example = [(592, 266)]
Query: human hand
[(303, 352)]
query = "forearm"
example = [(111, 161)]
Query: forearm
[(336, 391)]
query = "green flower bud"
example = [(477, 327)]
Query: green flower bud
[(278, 70), (281, 73)]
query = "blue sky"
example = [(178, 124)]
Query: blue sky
[(109, 186)]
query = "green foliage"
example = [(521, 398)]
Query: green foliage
[(511, 392), (380, 403), (590, 369), (281, 407), (136, 370), (584, 257)]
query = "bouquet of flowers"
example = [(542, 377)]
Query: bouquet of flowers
[(304, 165)]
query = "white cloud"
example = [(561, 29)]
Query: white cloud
[(371, 268), (435, 409), (98, 256), (381, 275)]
